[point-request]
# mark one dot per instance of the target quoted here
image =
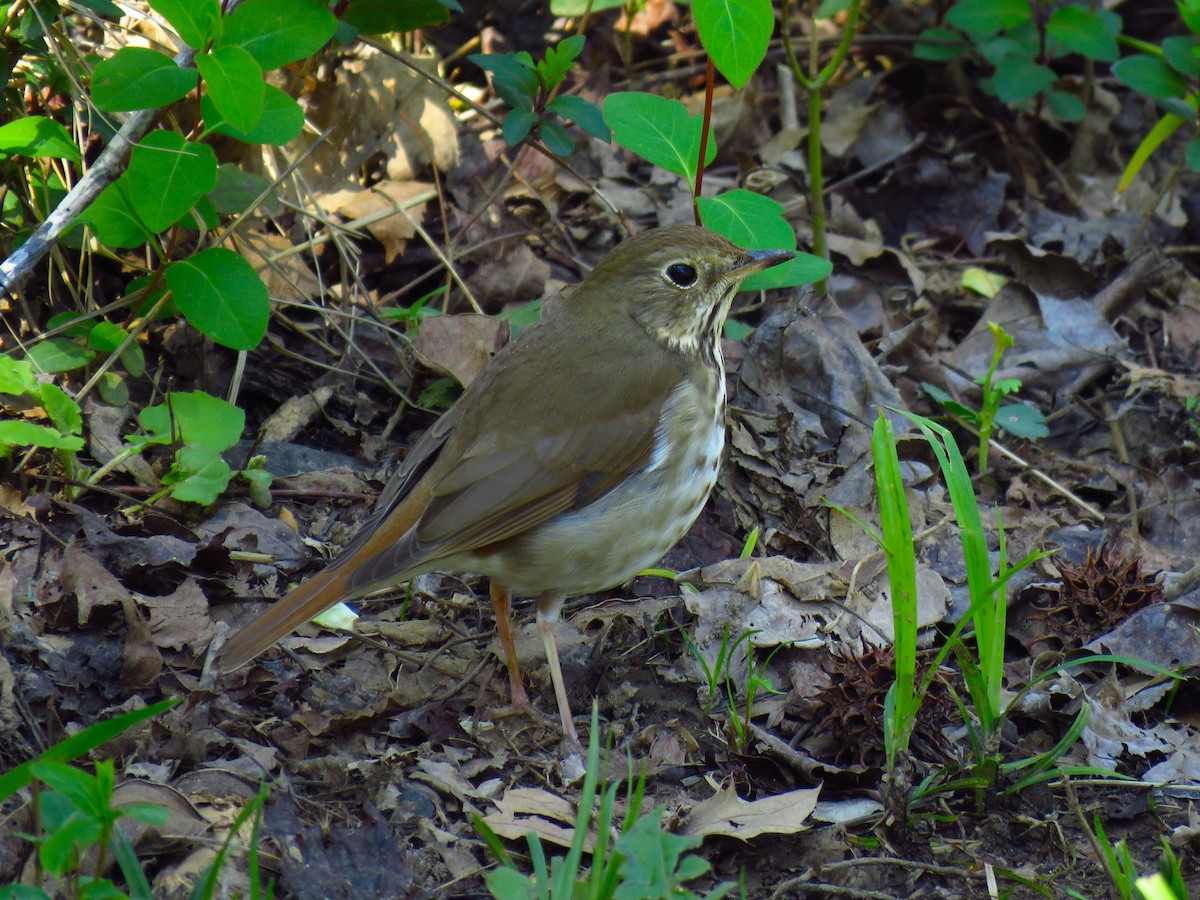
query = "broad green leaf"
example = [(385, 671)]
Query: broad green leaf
[(222, 296), (1180, 54), (515, 69), (986, 17), (1150, 75), (17, 433), (167, 175), (102, 7), (139, 78), (756, 222), (939, 45), (556, 139), (1083, 32), (194, 418), (59, 354), (517, 124), (277, 32), (1189, 11), (37, 137), (735, 33), (1067, 107), (113, 219), (386, 16), (659, 130), (235, 83), (16, 376), (237, 191), (1023, 421), (196, 21), (1018, 78), (583, 113), (199, 475), (282, 119), (106, 336)]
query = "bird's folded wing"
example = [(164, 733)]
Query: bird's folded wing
[(500, 488)]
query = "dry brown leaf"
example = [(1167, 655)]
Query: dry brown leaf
[(288, 278), (394, 230), (725, 813), (523, 810), (459, 346)]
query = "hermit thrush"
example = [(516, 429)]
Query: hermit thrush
[(579, 456)]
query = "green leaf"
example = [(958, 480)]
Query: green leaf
[(102, 7), (16, 433), (16, 376), (1023, 421), (735, 33), (1083, 32), (558, 61), (1149, 75), (514, 68), (556, 139), (167, 175), (939, 45), (196, 21), (277, 32), (830, 8), (113, 389), (59, 354), (62, 409), (1018, 78), (1189, 11), (579, 7), (282, 119), (113, 219), (583, 113), (199, 475), (659, 130), (653, 864), (756, 222), (983, 282), (235, 84), (1067, 107), (74, 784), (1191, 155), (981, 18), (237, 191), (84, 742), (386, 16), (222, 296), (521, 315), (1180, 54), (196, 418), (37, 137), (139, 78), (517, 124)]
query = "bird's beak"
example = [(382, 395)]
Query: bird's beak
[(757, 260)]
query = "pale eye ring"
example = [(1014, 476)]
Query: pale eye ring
[(681, 275)]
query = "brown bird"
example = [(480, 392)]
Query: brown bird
[(579, 456)]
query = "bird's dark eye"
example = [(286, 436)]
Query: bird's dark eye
[(682, 275)]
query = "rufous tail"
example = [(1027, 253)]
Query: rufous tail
[(310, 599)]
